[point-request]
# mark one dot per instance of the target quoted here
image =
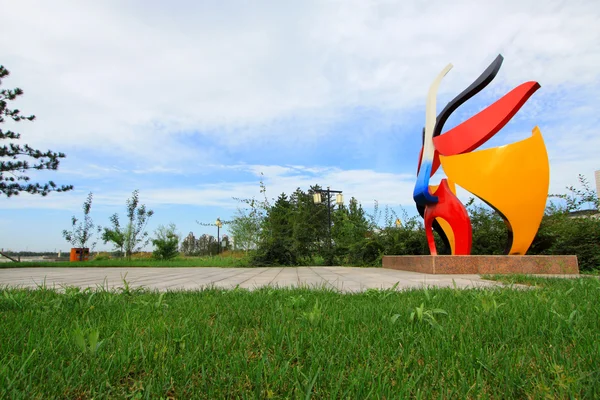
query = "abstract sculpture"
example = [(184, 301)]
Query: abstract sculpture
[(513, 179)]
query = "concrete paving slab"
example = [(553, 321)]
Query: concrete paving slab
[(344, 279)]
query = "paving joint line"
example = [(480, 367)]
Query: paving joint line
[(325, 280), (265, 269), (275, 277)]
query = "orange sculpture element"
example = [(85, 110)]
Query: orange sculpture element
[(513, 179)]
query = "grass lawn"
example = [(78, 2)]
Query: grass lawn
[(208, 261), (436, 343)]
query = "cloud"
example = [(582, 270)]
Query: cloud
[(139, 75), (365, 185)]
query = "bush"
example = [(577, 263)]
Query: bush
[(102, 256), (562, 234), (166, 242), (490, 234)]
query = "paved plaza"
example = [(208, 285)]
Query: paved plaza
[(345, 279)]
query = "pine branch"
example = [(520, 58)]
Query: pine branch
[(48, 160)]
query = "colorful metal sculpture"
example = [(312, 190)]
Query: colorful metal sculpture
[(513, 179)]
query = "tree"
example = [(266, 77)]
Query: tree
[(82, 232), (134, 237), (189, 245), (349, 232), (13, 171), (310, 224), (245, 229), (116, 236), (166, 242), (207, 245), (247, 224), (276, 246)]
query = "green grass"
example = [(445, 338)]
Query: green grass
[(542, 342), (210, 261)]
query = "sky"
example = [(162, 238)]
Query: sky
[(190, 101)]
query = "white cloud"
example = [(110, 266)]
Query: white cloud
[(107, 75), (365, 185)]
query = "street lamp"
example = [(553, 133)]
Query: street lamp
[(219, 224), (339, 200)]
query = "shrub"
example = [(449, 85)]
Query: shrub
[(166, 242), (562, 234), (102, 256)]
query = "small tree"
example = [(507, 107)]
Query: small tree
[(166, 242), (134, 237), (12, 171), (245, 229), (115, 235), (81, 232)]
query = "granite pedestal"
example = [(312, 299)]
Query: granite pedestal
[(484, 264)]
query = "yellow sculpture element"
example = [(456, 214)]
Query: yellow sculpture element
[(449, 233), (513, 179)]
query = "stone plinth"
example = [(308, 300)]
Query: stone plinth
[(484, 264)]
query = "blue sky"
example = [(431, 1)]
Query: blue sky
[(190, 101)]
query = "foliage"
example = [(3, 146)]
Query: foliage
[(103, 256), (561, 233), (203, 246), (294, 230), (276, 245), (207, 245), (189, 245), (350, 230), (247, 224), (13, 171), (577, 198), (572, 227), (500, 343), (82, 232), (490, 234), (133, 237), (115, 235), (245, 229), (166, 242)]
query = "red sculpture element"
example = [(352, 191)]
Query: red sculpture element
[(478, 129), (452, 211)]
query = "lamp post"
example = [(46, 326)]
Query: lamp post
[(219, 224), (339, 200)]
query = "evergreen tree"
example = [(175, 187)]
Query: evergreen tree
[(13, 172), (276, 242)]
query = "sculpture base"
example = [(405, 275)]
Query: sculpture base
[(484, 264)]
